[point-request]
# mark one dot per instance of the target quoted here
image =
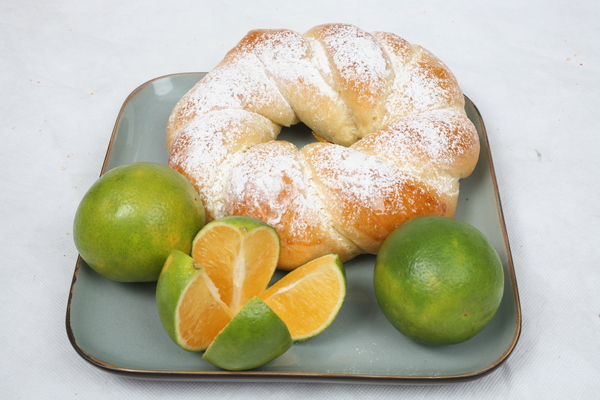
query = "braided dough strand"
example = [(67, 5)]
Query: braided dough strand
[(396, 137)]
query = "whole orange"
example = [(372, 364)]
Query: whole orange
[(131, 219), (438, 280)]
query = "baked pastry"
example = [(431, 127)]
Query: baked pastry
[(395, 137)]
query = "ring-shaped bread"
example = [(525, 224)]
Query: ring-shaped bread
[(396, 138)]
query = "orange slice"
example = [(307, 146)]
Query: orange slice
[(240, 255), (309, 298), (189, 304)]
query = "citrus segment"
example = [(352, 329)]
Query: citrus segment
[(188, 303), (255, 336), (201, 315), (438, 280), (132, 217), (240, 255), (261, 253), (216, 247), (309, 298)]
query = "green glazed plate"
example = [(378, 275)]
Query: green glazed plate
[(115, 326)]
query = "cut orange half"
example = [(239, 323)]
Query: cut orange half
[(218, 300), (240, 255), (309, 298), (189, 304)]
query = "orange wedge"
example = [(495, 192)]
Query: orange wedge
[(188, 303), (309, 298), (255, 336), (240, 255)]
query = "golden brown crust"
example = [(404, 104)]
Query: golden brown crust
[(396, 138)]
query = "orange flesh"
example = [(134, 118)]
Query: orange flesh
[(217, 252), (260, 257), (320, 138), (201, 314), (308, 297), (239, 266)]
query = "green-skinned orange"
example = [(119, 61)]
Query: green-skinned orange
[(131, 219), (438, 280)]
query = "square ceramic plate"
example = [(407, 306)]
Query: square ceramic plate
[(115, 326)]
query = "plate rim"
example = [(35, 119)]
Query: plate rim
[(287, 376)]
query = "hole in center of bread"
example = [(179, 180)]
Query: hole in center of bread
[(298, 134)]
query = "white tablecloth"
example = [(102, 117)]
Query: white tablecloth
[(531, 67)]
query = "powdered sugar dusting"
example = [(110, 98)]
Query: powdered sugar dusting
[(270, 182), (269, 179), (425, 84), (358, 175), (286, 55), (358, 58), (204, 148), (428, 145), (360, 72), (434, 134), (435, 138), (321, 61), (241, 84)]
